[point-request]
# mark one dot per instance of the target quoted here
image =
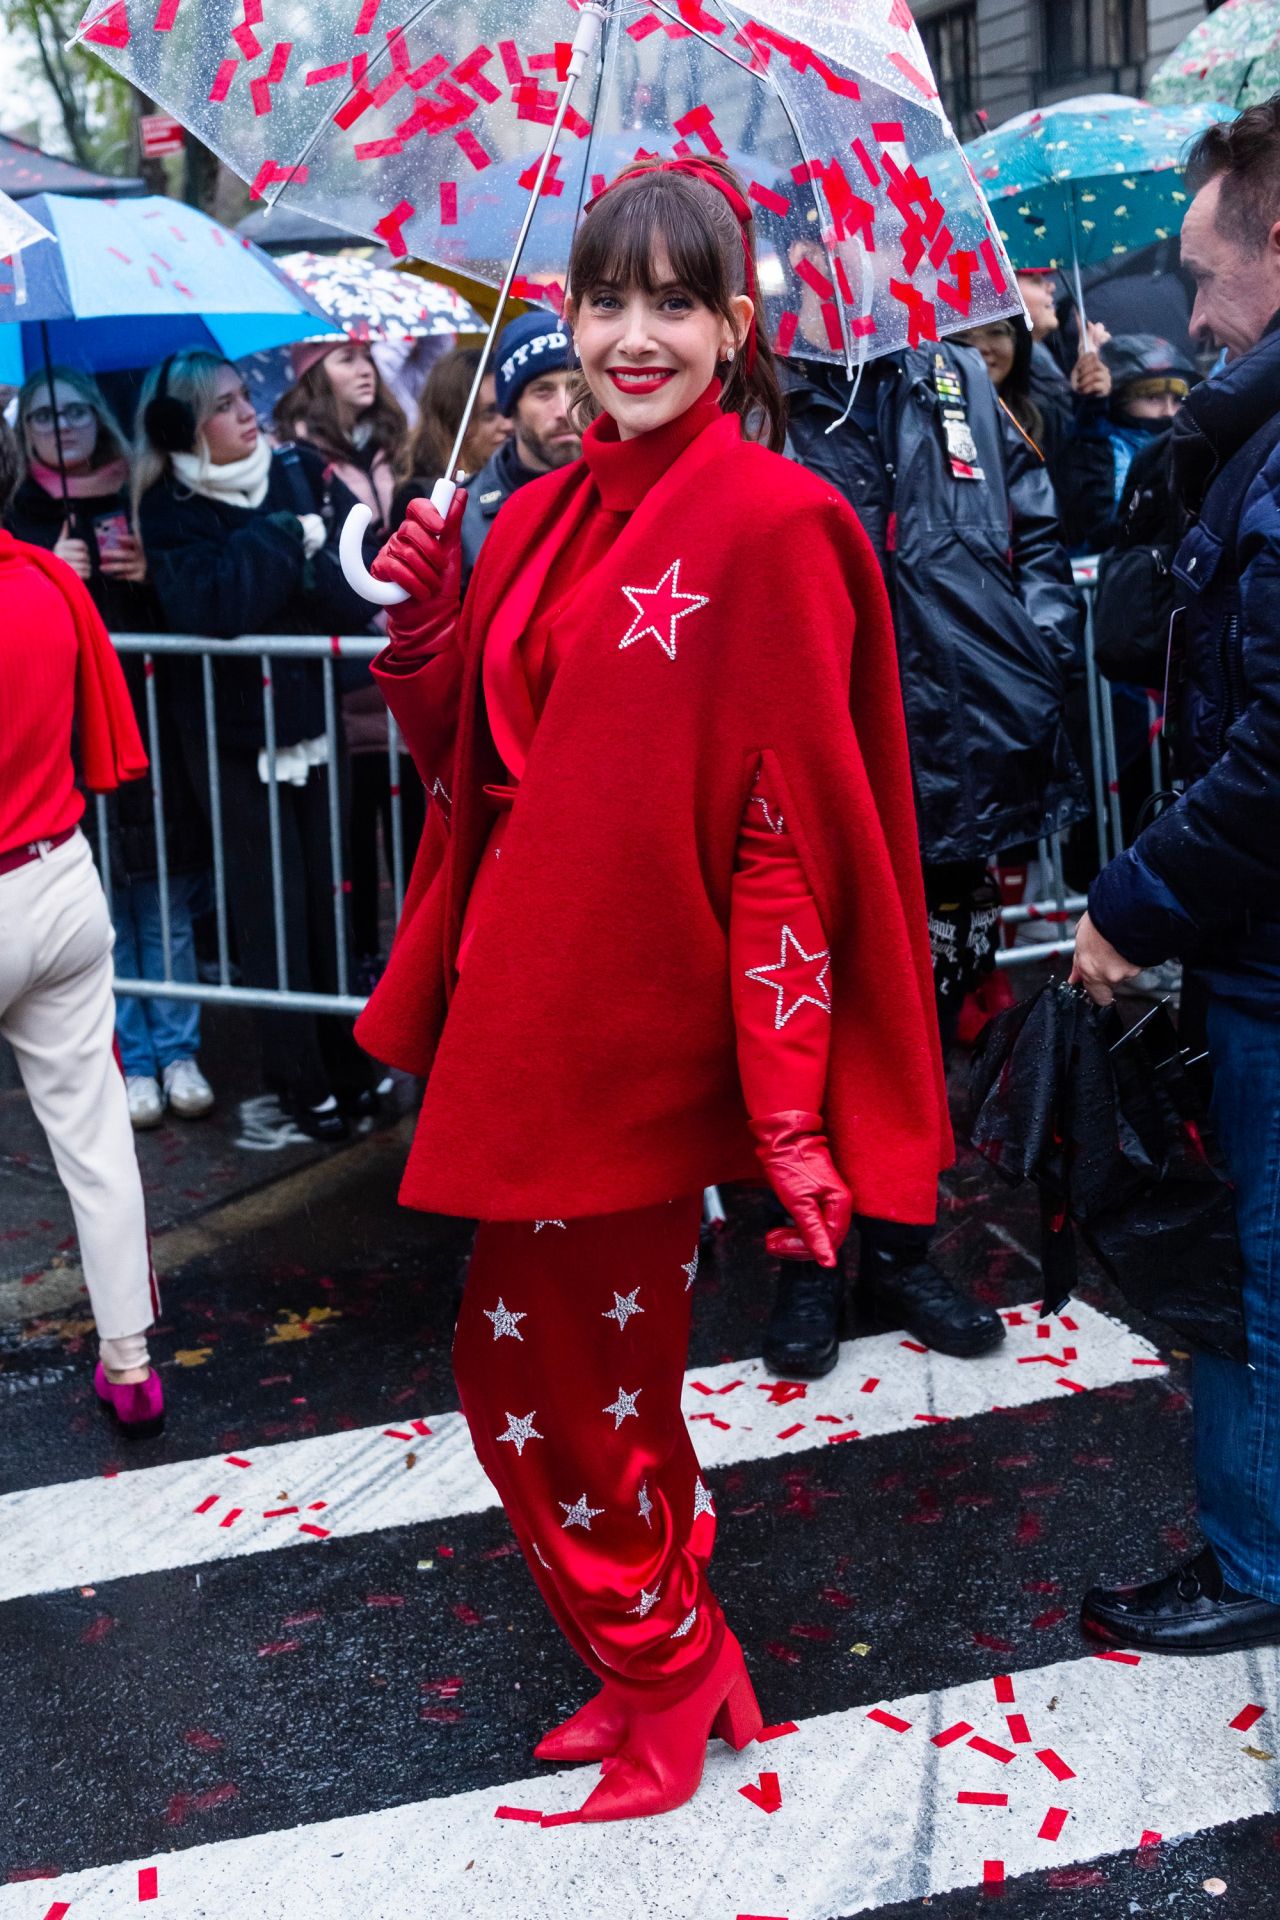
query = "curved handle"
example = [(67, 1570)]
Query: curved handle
[(382, 593)]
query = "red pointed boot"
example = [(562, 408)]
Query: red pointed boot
[(659, 1765), (594, 1732)]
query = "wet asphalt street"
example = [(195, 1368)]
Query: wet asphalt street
[(186, 1706)]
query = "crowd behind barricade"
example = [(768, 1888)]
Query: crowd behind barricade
[(206, 520)]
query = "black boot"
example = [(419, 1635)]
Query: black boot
[(803, 1337), (901, 1287), (1191, 1610)]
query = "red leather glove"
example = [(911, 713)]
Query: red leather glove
[(425, 558), (793, 1151)]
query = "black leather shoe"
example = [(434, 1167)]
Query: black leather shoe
[(1191, 1610), (925, 1303), (803, 1336), (324, 1121)]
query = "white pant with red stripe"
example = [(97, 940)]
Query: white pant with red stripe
[(58, 1014)]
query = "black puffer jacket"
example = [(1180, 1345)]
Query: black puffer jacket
[(988, 622), (127, 607), (224, 570), (1203, 880)]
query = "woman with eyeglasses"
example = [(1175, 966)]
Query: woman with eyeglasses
[(74, 501)]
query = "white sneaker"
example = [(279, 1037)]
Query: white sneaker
[(187, 1090), (146, 1104)]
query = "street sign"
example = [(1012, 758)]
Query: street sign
[(160, 135)]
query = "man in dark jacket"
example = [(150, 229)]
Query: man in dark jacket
[(531, 375), (1203, 881), (959, 508)]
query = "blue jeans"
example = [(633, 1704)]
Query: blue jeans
[(1237, 1405), (154, 1033)]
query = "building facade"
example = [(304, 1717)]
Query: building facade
[(995, 58)]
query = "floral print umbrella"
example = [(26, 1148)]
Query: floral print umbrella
[(1072, 187), (376, 303), (1233, 55)]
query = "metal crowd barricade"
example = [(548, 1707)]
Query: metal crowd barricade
[(1056, 911)]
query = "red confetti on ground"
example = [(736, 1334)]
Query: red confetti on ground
[(278, 1646), (767, 1795), (1120, 1659), (394, 1433), (789, 1433), (1004, 1690), (982, 1799), (235, 1460), (202, 1741), (384, 1599), (1149, 1839), (210, 1500), (782, 1392), (516, 1813), (1056, 1765), (1073, 1384), (776, 1733), (275, 1513), (1054, 1821), (1246, 1718), (913, 1346), (148, 1888), (321, 1533), (992, 1751), (890, 1720), (58, 1909), (1018, 1730), (1049, 1618), (992, 1873), (229, 1519), (99, 1630), (560, 1819), (850, 1433), (992, 1642), (1077, 1877), (948, 1734)]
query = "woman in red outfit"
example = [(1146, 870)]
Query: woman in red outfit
[(665, 927)]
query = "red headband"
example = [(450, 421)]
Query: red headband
[(711, 177)]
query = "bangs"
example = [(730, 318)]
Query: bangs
[(630, 230)]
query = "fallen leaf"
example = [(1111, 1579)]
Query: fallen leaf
[(862, 1648), (411, 1459), (192, 1356), (1259, 1753)]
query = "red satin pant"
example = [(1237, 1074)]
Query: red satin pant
[(569, 1357)]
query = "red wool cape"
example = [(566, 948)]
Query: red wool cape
[(585, 1060)]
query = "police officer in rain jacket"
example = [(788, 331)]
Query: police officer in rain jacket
[(960, 509)]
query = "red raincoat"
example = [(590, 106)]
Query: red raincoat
[(584, 1062)]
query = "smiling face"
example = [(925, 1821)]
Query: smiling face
[(1237, 286), (231, 430), (76, 427), (352, 378), (648, 355), (995, 344)]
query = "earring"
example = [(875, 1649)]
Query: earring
[(728, 353)]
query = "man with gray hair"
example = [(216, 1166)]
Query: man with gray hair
[(1202, 882)]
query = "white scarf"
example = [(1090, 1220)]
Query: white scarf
[(238, 483)]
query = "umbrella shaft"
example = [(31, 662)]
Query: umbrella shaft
[(590, 20)]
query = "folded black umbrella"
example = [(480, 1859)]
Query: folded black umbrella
[(1106, 1119)]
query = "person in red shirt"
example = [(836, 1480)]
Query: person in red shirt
[(665, 928), (58, 671)]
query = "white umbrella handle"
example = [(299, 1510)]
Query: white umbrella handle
[(383, 593)]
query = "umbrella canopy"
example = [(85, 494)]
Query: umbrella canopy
[(25, 170), (1233, 55), (286, 230), (131, 281), (409, 131), (17, 230), (1072, 186), (377, 303)]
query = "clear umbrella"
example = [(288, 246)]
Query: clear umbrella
[(471, 131), (17, 229)]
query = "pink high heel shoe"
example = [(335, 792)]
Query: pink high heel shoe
[(138, 1408)]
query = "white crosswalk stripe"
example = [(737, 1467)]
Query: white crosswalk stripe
[(423, 1469), (871, 1809)]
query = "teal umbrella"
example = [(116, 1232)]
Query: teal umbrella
[(1072, 188), (1232, 55)]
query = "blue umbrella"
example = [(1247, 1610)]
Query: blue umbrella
[(130, 281)]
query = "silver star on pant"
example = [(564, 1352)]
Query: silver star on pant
[(538, 1225), (701, 1501), (624, 1305), (623, 1408), (646, 1504), (504, 1321), (520, 1431), (541, 1557), (579, 1514), (690, 1267), (679, 1632), (648, 1601)]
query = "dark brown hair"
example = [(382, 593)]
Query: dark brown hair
[(10, 464), (312, 401), (440, 410), (652, 211), (1246, 153)]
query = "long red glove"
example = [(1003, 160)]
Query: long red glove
[(782, 1011), (424, 556)]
